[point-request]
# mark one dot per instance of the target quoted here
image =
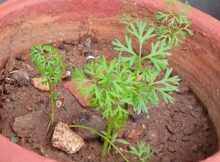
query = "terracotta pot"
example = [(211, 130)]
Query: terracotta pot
[(25, 23)]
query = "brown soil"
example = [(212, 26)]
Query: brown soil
[(181, 132)]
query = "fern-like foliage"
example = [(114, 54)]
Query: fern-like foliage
[(143, 152), (131, 79), (49, 63), (173, 26), (148, 67), (111, 88)]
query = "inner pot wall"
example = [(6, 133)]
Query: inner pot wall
[(26, 23)]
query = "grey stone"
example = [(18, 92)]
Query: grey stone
[(21, 77), (88, 43), (24, 125), (93, 121)]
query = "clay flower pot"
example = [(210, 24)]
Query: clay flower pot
[(25, 23)]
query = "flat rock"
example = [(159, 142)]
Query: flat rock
[(24, 125), (66, 140), (76, 92), (39, 85), (135, 134), (93, 121), (66, 74), (21, 77)]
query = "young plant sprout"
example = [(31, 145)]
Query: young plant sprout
[(49, 63), (143, 152), (127, 80), (173, 27)]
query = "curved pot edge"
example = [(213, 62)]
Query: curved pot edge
[(201, 22), (11, 152)]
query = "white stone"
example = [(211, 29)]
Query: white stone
[(37, 83), (66, 140)]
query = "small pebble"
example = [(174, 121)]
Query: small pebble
[(58, 104), (89, 55), (88, 43), (66, 75), (39, 85), (143, 126)]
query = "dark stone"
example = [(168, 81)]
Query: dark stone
[(88, 43), (89, 55), (7, 89), (136, 117), (21, 77), (93, 121), (2, 77)]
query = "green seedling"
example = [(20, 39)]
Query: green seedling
[(104, 137), (173, 26), (131, 79), (143, 152), (111, 90), (149, 66), (49, 63)]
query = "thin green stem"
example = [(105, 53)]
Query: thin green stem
[(140, 49), (112, 140), (101, 135), (52, 104), (108, 136), (139, 59)]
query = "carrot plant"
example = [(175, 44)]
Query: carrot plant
[(131, 79), (173, 26), (49, 63), (142, 151)]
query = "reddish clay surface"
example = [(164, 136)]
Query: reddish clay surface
[(180, 132), (70, 85), (11, 152), (214, 158), (70, 10)]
